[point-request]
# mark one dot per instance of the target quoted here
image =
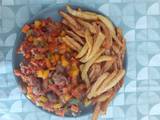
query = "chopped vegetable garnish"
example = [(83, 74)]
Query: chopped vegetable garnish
[(74, 108), (25, 28), (57, 105), (74, 101)]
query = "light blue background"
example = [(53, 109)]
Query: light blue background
[(139, 98)]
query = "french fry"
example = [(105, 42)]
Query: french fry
[(81, 67), (96, 111), (100, 90), (81, 14), (89, 41), (104, 58), (90, 13), (97, 84), (108, 84), (72, 41), (70, 19), (103, 97), (108, 41), (74, 36), (96, 46), (87, 65), (113, 92), (119, 43), (107, 66), (69, 44), (78, 32), (83, 51), (95, 27), (115, 49), (115, 66), (108, 24), (87, 25), (104, 105)]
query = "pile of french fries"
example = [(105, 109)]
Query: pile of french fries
[(97, 41)]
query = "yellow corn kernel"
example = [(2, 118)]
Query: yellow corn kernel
[(39, 73), (43, 99), (43, 74), (39, 103), (74, 71), (67, 97), (29, 96), (57, 105), (64, 62), (37, 24)]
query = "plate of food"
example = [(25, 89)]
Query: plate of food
[(69, 60)]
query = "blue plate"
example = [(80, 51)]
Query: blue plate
[(51, 11)]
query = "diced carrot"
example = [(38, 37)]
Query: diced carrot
[(25, 28), (29, 89), (52, 47), (55, 58), (48, 64), (27, 55), (62, 48), (74, 108), (60, 112)]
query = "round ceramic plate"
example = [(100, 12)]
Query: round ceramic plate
[(53, 12)]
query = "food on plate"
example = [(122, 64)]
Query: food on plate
[(78, 60)]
